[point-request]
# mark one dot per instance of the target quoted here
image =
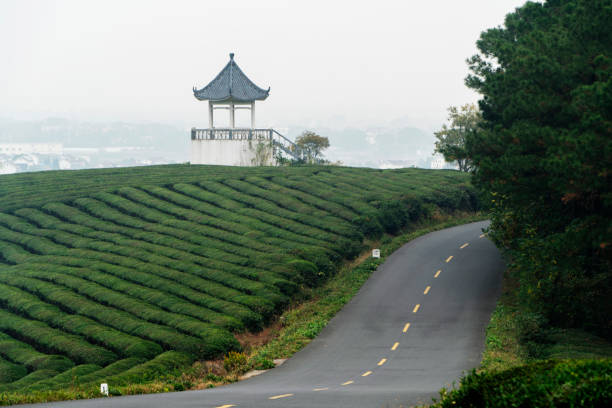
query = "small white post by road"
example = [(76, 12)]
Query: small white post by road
[(104, 389), (376, 253)]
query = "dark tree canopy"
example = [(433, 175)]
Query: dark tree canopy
[(450, 142), (545, 150)]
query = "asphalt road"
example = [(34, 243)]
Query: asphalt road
[(413, 328)]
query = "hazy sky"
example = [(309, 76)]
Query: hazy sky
[(345, 62)]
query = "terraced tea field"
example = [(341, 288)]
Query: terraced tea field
[(119, 275)]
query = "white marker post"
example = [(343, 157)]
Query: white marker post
[(104, 389), (376, 253)]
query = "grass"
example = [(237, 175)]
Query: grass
[(504, 348), (107, 271)]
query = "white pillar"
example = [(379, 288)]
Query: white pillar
[(232, 112), (253, 115), (211, 122)]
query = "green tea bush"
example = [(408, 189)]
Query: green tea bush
[(10, 372), (72, 376), (369, 225), (307, 271), (120, 366), (28, 380), (74, 347), (163, 364), (320, 258), (393, 216), (160, 266), (31, 306)]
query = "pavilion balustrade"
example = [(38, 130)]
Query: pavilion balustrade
[(276, 139), (231, 134)]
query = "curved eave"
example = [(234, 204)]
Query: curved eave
[(230, 98), (231, 85)]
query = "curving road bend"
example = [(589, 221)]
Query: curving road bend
[(413, 328)]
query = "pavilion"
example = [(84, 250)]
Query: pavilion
[(231, 90)]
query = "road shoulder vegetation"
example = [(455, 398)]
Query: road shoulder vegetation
[(524, 364)]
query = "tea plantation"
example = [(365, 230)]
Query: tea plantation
[(118, 275)]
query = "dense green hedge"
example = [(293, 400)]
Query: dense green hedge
[(552, 383), (122, 275)]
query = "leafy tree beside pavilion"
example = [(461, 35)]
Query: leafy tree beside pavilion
[(312, 145), (464, 121)]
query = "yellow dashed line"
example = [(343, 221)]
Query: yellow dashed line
[(281, 396), (225, 406), (395, 346), (406, 327), (348, 382), (481, 236), (427, 290), (449, 259), (464, 245), (437, 273), (321, 389), (416, 308), (382, 361), (366, 373)]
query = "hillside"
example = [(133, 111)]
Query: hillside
[(119, 274)]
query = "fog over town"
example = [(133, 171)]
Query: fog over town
[(104, 84)]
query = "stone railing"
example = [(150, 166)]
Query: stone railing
[(276, 139), (231, 134)]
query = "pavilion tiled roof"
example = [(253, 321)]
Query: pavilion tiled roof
[(231, 84)]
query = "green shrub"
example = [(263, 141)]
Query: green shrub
[(322, 258), (552, 383), (393, 216), (262, 363), (532, 332), (235, 362), (369, 226), (308, 271)]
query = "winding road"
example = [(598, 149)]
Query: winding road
[(414, 327)]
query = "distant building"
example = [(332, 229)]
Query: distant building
[(230, 90), (30, 148), (7, 167), (438, 162)]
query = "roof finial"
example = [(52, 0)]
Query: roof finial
[(231, 55)]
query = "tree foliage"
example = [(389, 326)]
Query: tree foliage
[(544, 153), (464, 121), (312, 144)]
